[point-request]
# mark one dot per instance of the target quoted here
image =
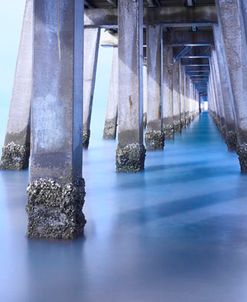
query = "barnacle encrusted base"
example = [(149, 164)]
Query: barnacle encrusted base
[(231, 140), (14, 157), (242, 156), (55, 210), (177, 126), (154, 140), (130, 158), (110, 129), (85, 138), (168, 131)]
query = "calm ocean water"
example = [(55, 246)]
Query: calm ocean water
[(176, 232)]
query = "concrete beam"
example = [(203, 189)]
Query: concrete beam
[(56, 189), (185, 38), (130, 155), (169, 16), (182, 53), (112, 2), (197, 62)]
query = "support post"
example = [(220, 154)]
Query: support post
[(182, 94), (176, 98), (110, 128), (130, 154), (187, 100), (16, 150), (56, 189), (91, 50), (230, 120), (145, 95), (154, 134), (232, 23), (167, 102)]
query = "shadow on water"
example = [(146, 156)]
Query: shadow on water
[(176, 232)]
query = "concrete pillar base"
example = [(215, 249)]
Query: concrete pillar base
[(183, 122), (242, 156), (231, 140), (168, 132), (130, 158), (55, 210), (177, 126), (14, 157), (154, 140), (110, 129), (85, 138)]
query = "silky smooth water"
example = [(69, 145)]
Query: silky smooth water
[(176, 232)]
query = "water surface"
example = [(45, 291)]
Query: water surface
[(176, 232)]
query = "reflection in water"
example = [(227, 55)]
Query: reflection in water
[(176, 232)]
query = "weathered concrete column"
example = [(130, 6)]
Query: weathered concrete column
[(191, 100), (167, 102), (56, 189), (213, 107), (15, 153), (176, 98), (182, 94), (187, 100), (110, 128), (130, 155), (228, 102), (218, 94), (218, 89), (232, 21), (154, 134), (145, 94), (91, 46)]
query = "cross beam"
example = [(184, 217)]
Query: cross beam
[(170, 16), (183, 38)]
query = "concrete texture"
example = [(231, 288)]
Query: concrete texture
[(154, 140), (56, 157), (130, 158), (242, 156), (145, 94), (182, 94), (16, 149), (91, 50), (55, 210), (167, 95), (232, 26), (130, 101), (14, 157), (176, 98), (154, 64), (110, 129)]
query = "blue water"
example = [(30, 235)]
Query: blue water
[(176, 232)]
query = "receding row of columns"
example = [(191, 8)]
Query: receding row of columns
[(227, 87), (49, 84)]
